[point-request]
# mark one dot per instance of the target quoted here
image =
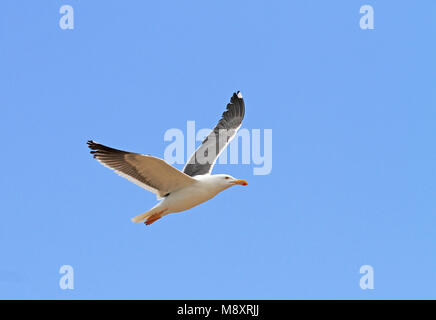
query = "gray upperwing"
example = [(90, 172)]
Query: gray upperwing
[(204, 158)]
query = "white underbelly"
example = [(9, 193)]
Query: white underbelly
[(187, 198)]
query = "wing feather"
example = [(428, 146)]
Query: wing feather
[(148, 172), (204, 158)]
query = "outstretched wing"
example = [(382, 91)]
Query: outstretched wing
[(150, 173), (204, 158)]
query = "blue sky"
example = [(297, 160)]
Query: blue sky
[(353, 118)]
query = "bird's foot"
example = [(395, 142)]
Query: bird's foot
[(153, 218)]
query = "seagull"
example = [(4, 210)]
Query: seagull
[(178, 190)]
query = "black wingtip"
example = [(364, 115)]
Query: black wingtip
[(98, 149), (92, 144), (236, 107), (237, 96)]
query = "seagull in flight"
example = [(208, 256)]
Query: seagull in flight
[(178, 190)]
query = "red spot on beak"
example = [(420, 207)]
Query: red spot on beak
[(240, 182)]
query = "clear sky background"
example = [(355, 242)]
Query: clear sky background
[(353, 119)]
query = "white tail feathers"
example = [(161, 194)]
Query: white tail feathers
[(142, 217)]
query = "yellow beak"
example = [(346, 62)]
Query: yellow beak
[(241, 182)]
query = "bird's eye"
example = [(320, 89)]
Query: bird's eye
[(227, 178)]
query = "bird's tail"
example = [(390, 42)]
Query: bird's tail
[(153, 212)]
